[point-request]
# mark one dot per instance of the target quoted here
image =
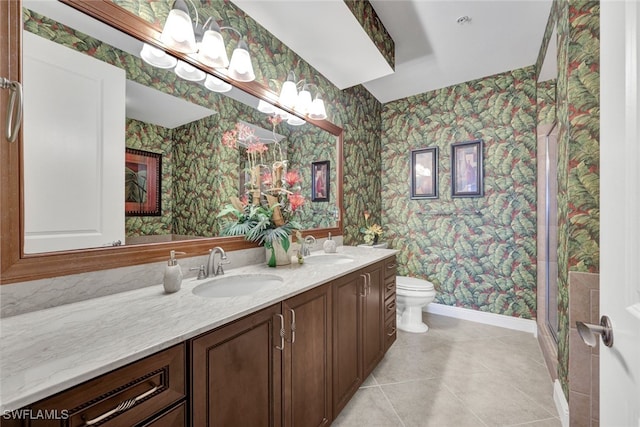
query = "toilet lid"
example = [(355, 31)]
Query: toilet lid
[(411, 283)]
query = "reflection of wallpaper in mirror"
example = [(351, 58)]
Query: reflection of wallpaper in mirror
[(199, 174)]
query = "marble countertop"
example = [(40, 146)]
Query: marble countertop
[(48, 351)]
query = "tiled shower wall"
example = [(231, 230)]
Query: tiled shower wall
[(584, 375)]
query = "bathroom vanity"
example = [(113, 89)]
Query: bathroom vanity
[(292, 355)]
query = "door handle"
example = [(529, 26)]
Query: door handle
[(364, 285), (293, 326), (14, 109), (589, 332)]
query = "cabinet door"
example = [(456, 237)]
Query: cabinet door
[(373, 318), (307, 358), (347, 338), (236, 373)]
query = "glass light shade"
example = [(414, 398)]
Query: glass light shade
[(303, 102), (216, 85), (265, 107), (240, 67), (288, 94), (178, 33), (189, 72), (211, 50), (317, 110), (157, 57), (295, 121)]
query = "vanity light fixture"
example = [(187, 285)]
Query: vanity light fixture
[(216, 85), (177, 32), (240, 67), (301, 101), (157, 57), (289, 92), (204, 41), (188, 72)]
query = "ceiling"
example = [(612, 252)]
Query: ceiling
[(433, 50)]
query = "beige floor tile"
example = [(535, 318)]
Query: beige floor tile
[(551, 422), (494, 400), (368, 408), (459, 373), (428, 403)]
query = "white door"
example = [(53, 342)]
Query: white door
[(74, 145), (620, 211)]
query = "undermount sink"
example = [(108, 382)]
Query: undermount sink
[(326, 259), (237, 285)]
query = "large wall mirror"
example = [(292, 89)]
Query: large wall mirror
[(171, 132)]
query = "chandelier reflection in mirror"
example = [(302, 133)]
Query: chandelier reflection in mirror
[(299, 101), (206, 43)]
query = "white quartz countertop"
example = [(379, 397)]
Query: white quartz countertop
[(48, 351)]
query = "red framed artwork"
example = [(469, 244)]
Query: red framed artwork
[(143, 174)]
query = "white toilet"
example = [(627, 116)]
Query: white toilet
[(411, 296)]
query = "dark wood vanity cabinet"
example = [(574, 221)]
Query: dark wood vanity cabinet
[(248, 374), (294, 363), (236, 373), (359, 337), (139, 394)]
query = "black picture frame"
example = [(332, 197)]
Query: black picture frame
[(467, 172), (143, 183), (320, 182), (424, 173)]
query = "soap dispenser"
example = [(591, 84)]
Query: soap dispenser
[(172, 275), (329, 245)]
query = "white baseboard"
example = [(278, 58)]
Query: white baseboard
[(509, 322), (561, 403)]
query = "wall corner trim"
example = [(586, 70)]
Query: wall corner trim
[(508, 322)]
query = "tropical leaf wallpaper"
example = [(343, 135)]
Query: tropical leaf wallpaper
[(578, 108), (373, 26), (480, 253)]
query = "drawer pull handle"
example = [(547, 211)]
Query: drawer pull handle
[(391, 306), (123, 406), (282, 332), (393, 331), (391, 285), (390, 266)]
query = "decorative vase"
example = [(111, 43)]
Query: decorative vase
[(277, 254)]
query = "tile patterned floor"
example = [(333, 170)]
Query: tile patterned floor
[(458, 374)]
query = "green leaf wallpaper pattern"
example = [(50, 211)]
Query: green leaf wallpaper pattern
[(484, 261), (578, 85), (373, 26)]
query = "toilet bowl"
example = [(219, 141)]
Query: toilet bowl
[(411, 296)]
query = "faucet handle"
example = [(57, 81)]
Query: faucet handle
[(202, 274)]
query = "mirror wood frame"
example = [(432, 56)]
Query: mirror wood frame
[(15, 265)]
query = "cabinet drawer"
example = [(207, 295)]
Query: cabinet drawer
[(389, 287), (124, 397), (389, 332), (177, 417), (390, 266), (390, 307)]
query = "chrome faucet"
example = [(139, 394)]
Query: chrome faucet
[(306, 244), (212, 270)]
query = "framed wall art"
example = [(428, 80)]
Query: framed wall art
[(142, 183), (424, 173), (320, 174), (467, 174)]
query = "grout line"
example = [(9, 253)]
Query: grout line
[(464, 405), (393, 407), (535, 421)]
